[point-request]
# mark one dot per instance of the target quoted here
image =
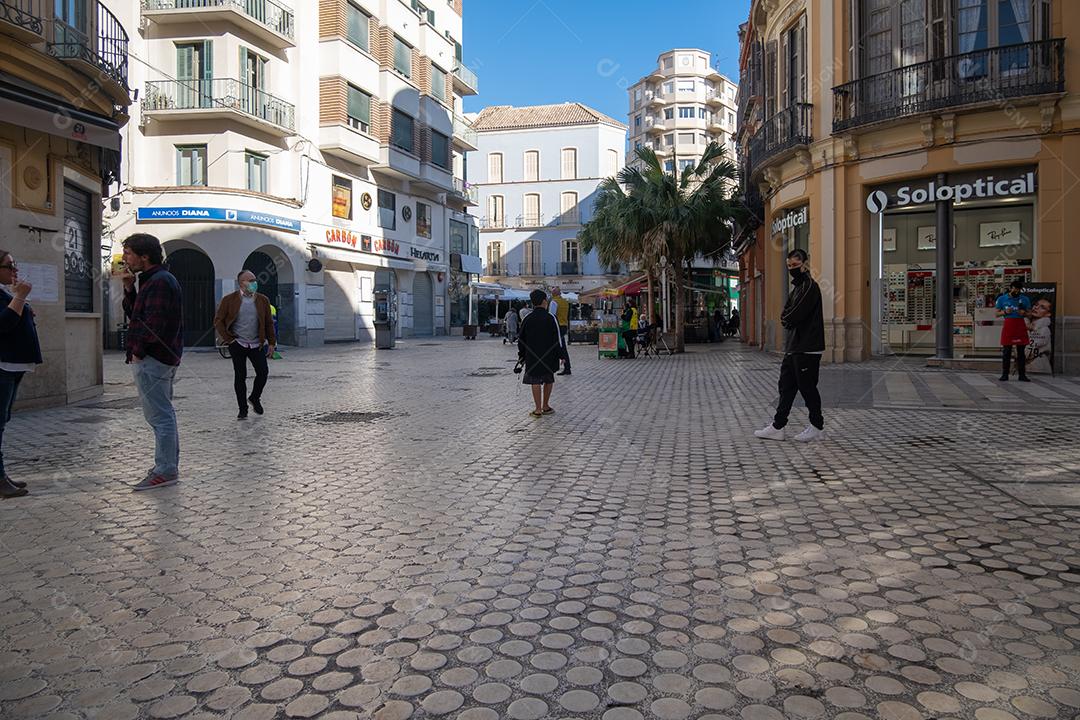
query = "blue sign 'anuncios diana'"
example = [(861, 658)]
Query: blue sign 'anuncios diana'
[(221, 215)]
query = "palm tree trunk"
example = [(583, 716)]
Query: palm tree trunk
[(680, 309)]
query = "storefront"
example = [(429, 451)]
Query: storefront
[(987, 220), (465, 267)]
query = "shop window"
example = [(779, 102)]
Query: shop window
[(341, 201), (387, 210)]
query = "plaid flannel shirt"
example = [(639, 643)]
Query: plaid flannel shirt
[(155, 317)]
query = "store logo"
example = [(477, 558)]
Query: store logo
[(877, 201), (791, 220), (424, 255), (343, 237), (382, 245)]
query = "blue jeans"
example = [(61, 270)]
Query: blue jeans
[(9, 385), (154, 381)]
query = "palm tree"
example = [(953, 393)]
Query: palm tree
[(649, 214)]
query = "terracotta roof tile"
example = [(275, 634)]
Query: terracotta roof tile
[(508, 117)]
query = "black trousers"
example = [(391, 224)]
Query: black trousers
[(240, 356), (1021, 359), (564, 350), (629, 336), (799, 375)]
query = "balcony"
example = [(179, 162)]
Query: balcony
[(985, 77), (569, 268), (268, 20), (496, 268), (349, 141), (464, 137), (785, 131), (465, 192), (23, 20), (654, 125), (714, 98), (493, 223), (532, 269), (100, 51), (654, 99), (218, 98), (529, 220), (570, 217), (465, 80)]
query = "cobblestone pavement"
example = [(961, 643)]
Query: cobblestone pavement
[(397, 538)]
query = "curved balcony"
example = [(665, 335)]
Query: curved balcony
[(780, 135), (268, 20), (218, 98), (99, 50), (987, 77)]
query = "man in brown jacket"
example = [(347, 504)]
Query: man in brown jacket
[(244, 322)]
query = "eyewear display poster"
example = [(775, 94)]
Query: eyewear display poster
[(342, 199), (999, 234), (1040, 322), (888, 240)]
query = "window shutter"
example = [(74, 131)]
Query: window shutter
[(532, 165), (569, 164), (495, 168), (770, 79), (185, 62)]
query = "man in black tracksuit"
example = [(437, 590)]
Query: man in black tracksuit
[(804, 345)]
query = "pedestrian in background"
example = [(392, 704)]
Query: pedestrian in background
[(20, 353), (560, 309), (155, 343), (245, 322), (511, 320), (1014, 306), (804, 345), (538, 351), (629, 328)]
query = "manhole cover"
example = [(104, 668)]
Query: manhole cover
[(349, 417), (929, 441)]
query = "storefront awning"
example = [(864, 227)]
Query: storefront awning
[(25, 108), (363, 259)]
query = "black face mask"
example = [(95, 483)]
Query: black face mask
[(796, 273)]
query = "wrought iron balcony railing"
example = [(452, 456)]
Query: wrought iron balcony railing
[(570, 217), (26, 14), (215, 94), (532, 268), (268, 13), (569, 268), (530, 220), (463, 189), (497, 222), (787, 129), (985, 76), (106, 49), (496, 268)]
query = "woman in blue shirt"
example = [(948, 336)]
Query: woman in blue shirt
[(1014, 307)]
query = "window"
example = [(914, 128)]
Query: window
[(686, 86), (495, 167), (256, 167), (194, 74), (387, 210), (612, 163), (686, 138), (531, 218), (359, 109), (686, 112), (459, 237), (571, 255), (402, 57), (731, 120), (440, 149), (423, 220), (684, 164), (438, 83), (669, 86), (568, 209), (569, 163), (532, 165), (341, 198), (356, 30), (795, 64), (190, 165), (669, 63), (703, 139), (669, 113), (496, 216), (702, 113), (532, 264), (495, 259), (637, 122), (401, 131), (669, 166), (669, 140)]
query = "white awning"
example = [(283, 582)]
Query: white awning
[(361, 258)]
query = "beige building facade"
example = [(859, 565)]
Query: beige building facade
[(921, 152)]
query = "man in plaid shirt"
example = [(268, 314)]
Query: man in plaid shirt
[(155, 343)]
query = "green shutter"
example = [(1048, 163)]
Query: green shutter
[(359, 105)]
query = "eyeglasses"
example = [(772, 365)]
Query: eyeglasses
[(10, 266)]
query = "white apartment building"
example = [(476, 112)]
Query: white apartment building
[(319, 145), (682, 106), (538, 174)]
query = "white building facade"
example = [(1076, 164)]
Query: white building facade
[(538, 170), (682, 106), (318, 145)]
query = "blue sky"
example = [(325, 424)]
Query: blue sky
[(533, 52)]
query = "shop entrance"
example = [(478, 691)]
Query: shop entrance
[(195, 273), (423, 305)]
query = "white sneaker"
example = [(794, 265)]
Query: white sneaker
[(810, 434), (769, 433)]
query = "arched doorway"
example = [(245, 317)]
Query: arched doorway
[(273, 272), (423, 305), (195, 273)]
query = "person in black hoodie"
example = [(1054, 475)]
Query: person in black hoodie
[(20, 352), (804, 345), (539, 351)]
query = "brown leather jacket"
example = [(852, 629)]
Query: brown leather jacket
[(230, 308)]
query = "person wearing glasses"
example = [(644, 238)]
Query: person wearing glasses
[(20, 353)]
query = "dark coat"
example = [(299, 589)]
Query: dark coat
[(802, 317), (18, 334), (539, 343)]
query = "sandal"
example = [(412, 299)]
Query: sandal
[(536, 414), (549, 411)]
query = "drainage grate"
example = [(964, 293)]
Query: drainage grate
[(428, 344), (349, 417), (929, 441)]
